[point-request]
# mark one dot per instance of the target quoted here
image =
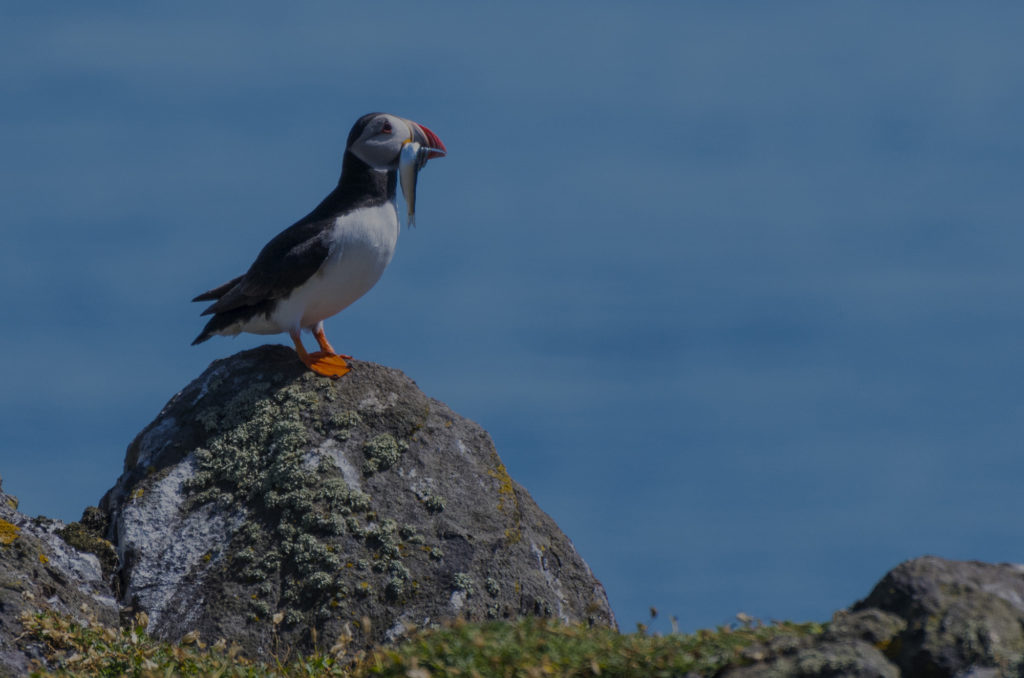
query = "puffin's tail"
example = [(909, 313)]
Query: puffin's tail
[(203, 336), (217, 322), (218, 292), (228, 322)]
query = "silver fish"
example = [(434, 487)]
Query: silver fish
[(408, 169), (413, 158)]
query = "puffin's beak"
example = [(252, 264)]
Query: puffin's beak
[(422, 135)]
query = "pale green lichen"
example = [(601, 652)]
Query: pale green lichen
[(343, 423), (434, 503), (255, 456), (382, 538), (463, 582), (382, 452), (399, 577), (260, 452), (409, 534)]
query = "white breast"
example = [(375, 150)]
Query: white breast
[(362, 244)]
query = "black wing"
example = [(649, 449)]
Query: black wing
[(287, 261)]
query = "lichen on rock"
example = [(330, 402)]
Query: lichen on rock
[(8, 532), (41, 572), (331, 502), (382, 452)]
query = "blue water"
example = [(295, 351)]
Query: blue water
[(736, 289)]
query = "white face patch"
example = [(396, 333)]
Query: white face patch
[(381, 141)]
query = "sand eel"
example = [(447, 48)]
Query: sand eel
[(332, 256), (414, 157)]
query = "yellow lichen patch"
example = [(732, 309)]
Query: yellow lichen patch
[(506, 490), (8, 532), (506, 493), (43, 559), (136, 493)]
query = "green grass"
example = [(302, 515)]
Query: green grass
[(528, 648), (95, 650), (539, 647)]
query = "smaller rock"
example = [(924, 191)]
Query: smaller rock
[(848, 658), (873, 626), (815, 657), (40, 572), (88, 536), (961, 617)]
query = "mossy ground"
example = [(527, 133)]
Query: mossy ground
[(528, 647)]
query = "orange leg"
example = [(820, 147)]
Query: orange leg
[(325, 346), (325, 362)]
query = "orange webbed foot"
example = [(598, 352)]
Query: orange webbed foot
[(325, 361), (327, 364)]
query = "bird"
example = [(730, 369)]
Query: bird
[(331, 257)]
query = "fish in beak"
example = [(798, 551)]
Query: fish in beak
[(424, 137), (416, 151)]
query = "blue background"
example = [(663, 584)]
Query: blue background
[(736, 288)]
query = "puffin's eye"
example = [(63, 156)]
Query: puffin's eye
[(386, 128)]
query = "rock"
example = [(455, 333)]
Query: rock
[(927, 617), (850, 646), (38, 572), (870, 625), (278, 509), (821, 659), (962, 618)]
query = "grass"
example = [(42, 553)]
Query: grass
[(95, 650), (530, 648), (540, 647)]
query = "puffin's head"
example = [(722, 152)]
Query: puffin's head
[(377, 139)]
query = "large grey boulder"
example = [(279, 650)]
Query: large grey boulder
[(40, 571), (279, 509)]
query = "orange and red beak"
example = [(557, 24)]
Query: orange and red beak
[(427, 139)]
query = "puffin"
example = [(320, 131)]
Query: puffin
[(322, 263)]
